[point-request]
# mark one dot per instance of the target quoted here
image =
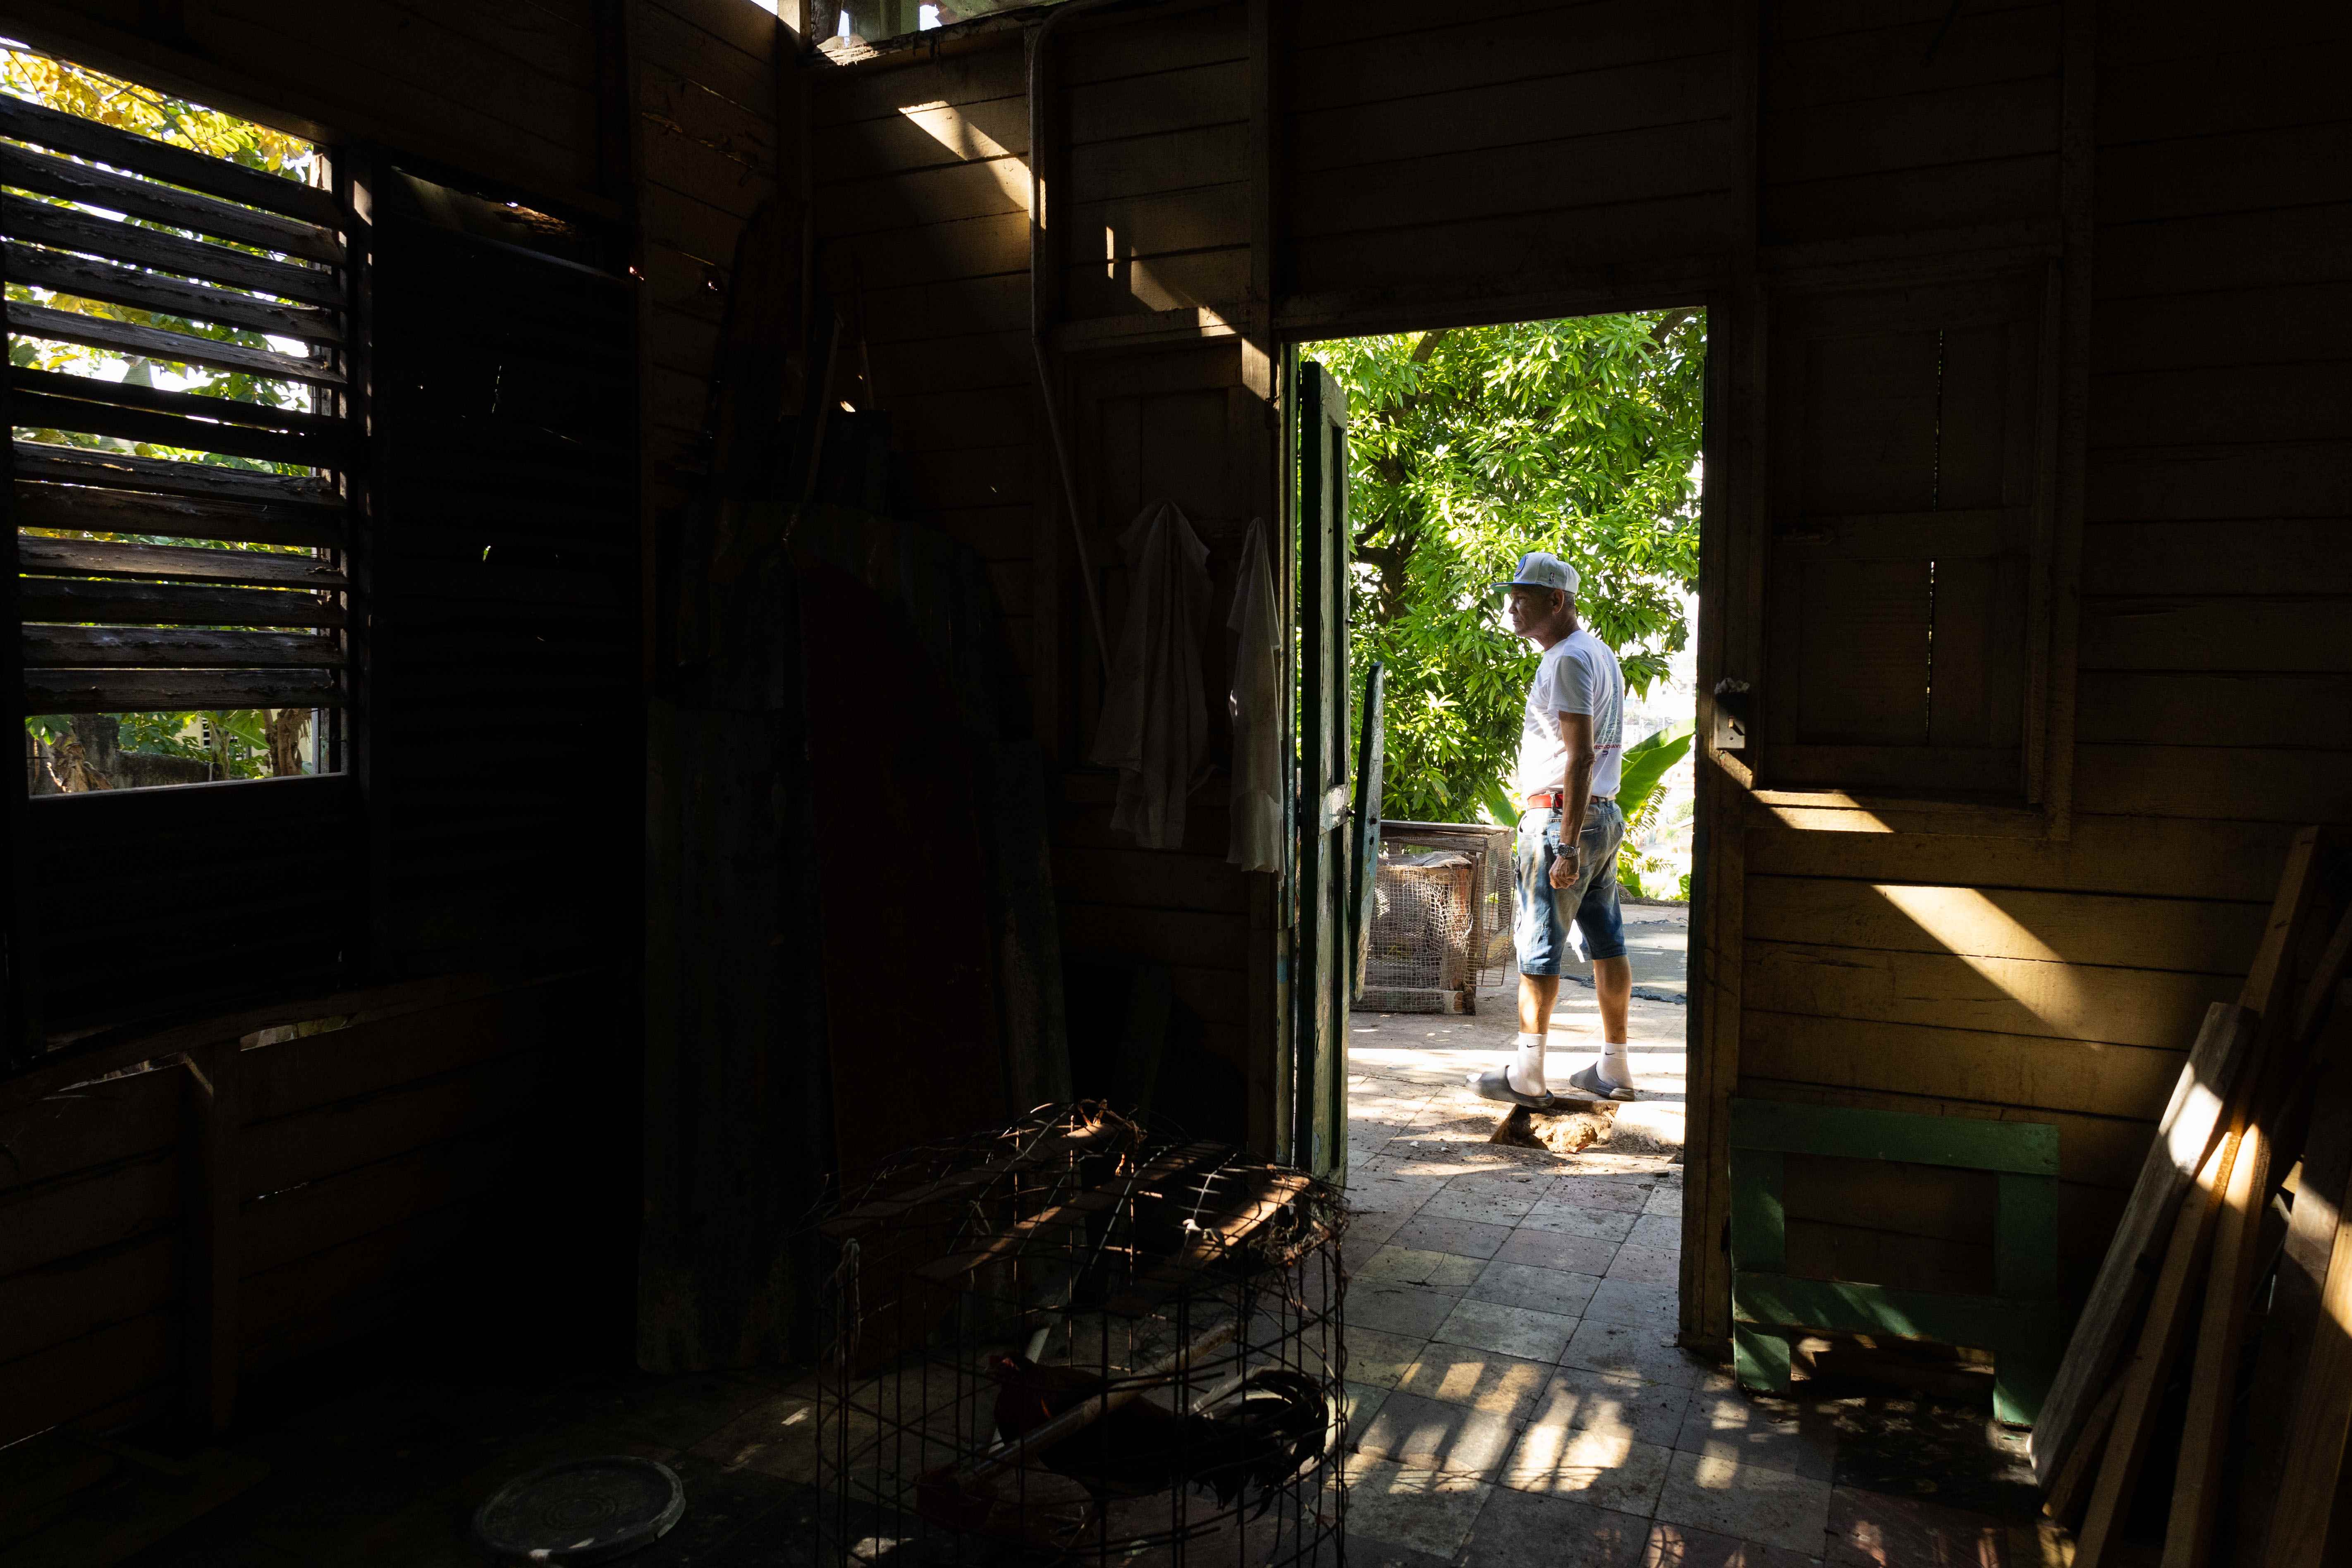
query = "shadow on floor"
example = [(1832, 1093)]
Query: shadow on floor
[(391, 1471)]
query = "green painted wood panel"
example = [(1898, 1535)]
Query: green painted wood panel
[(2025, 1237), (1758, 1221), (2025, 1148)]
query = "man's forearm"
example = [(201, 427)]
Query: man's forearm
[(1577, 789)]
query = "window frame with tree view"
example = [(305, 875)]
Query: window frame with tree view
[(177, 310)]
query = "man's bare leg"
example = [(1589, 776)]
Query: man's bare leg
[(1538, 993), (1612, 981)]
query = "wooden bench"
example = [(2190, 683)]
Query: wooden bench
[(2022, 1322)]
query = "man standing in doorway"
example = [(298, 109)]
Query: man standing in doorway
[(1571, 746)]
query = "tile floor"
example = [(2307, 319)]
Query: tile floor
[(1516, 1395)]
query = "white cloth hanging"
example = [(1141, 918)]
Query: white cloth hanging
[(1255, 704), (1155, 717)]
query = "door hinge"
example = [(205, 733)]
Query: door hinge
[(1731, 715)]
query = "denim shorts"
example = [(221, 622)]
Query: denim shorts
[(1590, 901)]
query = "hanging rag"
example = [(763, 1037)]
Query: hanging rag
[(1155, 717), (1255, 704)]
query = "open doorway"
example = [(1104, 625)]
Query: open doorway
[(1465, 449)]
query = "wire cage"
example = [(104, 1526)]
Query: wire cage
[(1067, 1341), (1442, 916)]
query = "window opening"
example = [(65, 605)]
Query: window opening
[(176, 329), (863, 24)]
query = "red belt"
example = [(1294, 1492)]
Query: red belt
[(1552, 800)]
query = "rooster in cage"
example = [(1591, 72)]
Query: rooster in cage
[(1274, 1421)]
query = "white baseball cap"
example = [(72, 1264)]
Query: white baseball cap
[(1542, 569)]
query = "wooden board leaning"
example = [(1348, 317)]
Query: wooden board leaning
[(2184, 1137)]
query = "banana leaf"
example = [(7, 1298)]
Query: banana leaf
[(1646, 763), (1499, 803)]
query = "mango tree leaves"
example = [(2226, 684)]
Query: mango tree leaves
[(143, 112), (1472, 446)]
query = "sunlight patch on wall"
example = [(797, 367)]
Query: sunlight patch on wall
[(958, 131), (1972, 928), (1965, 921), (1136, 279), (954, 130), (1830, 811), (1154, 294)]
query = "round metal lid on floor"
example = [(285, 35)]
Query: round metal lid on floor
[(580, 1511)]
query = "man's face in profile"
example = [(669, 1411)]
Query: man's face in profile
[(1524, 609)]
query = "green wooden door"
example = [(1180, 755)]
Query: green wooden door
[(1363, 869), (1322, 982)]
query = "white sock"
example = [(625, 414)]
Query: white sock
[(1527, 1072), (1613, 1066)]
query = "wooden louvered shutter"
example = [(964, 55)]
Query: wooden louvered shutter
[(1910, 502), (175, 583)]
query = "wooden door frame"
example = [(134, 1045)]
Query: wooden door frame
[(1320, 948), (1729, 644)]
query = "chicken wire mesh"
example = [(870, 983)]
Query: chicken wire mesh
[(1441, 917), (1067, 1341)]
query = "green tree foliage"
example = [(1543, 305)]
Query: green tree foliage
[(1471, 445)]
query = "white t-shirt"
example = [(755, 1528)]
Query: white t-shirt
[(1579, 675)]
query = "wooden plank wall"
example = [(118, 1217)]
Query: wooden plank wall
[(921, 199), (2063, 982), (1879, 119), (1174, 425), (1156, 115), (506, 92), (376, 1164), (190, 892), (94, 1236), (709, 131), (920, 196), (1875, 122), (366, 1170), (1440, 155), (2215, 572)]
